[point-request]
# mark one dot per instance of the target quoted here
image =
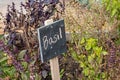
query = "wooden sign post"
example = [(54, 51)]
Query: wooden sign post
[(52, 41), (54, 64)]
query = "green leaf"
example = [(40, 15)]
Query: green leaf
[(3, 59), (86, 71), (21, 54), (1, 36), (90, 43), (90, 58), (25, 64), (93, 55), (108, 5), (114, 11), (82, 64), (24, 76), (92, 72), (62, 73), (37, 77), (82, 41), (103, 75), (97, 50), (74, 55), (12, 71), (88, 47), (33, 62), (104, 53), (99, 60)]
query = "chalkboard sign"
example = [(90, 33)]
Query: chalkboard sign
[(52, 40)]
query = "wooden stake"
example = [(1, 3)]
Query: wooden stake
[(54, 64), (55, 68)]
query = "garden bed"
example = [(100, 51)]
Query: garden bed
[(93, 48)]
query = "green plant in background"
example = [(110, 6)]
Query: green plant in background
[(62, 73), (113, 6), (7, 71), (90, 56)]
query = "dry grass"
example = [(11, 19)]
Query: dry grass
[(89, 21)]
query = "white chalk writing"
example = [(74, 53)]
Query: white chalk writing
[(52, 39)]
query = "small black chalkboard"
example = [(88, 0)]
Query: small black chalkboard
[(52, 40)]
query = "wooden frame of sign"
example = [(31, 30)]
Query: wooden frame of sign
[(52, 42)]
